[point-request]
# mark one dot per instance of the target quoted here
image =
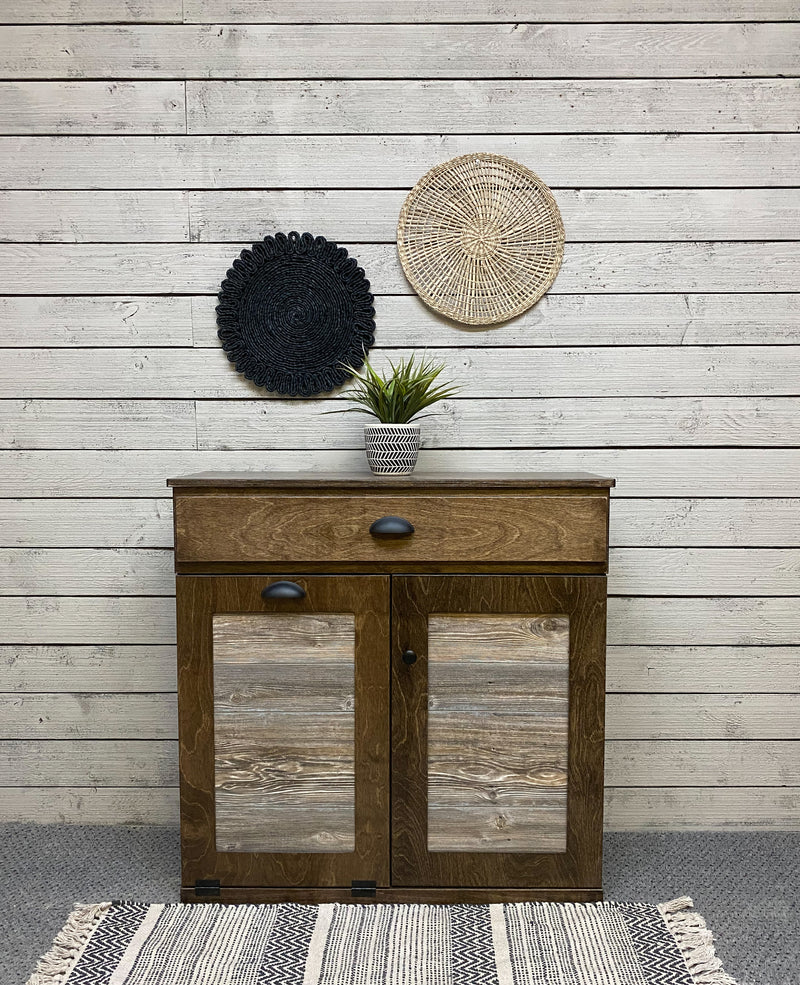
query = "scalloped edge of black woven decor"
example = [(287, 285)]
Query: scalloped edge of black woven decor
[(285, 380)]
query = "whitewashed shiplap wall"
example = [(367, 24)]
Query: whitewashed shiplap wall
[(144, 143)]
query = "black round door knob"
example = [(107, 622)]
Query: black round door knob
[(409, 657)]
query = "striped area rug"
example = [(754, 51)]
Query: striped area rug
[(383, 944)]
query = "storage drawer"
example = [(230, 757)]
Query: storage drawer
[(447, 528)]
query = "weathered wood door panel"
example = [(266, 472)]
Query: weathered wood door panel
[(497, 731), (284, 731)]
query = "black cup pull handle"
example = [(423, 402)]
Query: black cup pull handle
[(409, 657), (283, 590), (392, 526)]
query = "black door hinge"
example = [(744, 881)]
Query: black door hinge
[(206, 887), (362, 887)]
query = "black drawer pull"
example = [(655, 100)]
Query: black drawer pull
[(392, 526), (409, 657), (283, 590)]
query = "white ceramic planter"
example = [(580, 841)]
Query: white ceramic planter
[(392, 449)]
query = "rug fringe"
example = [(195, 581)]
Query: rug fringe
[(695, 940), (54, 967)]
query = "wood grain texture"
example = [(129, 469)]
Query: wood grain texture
[(560, 320), (86, 523), (728, 472), (104, 805), (97, 424), (409, 11), (92, 107), (284, 732), (100, 217), (593, 215), (83, 571), (64, 620), (80, 11), (446, 528), (497, 733), (659, 522), (702, 808), (588, 269), (88, 716), (416, 600), (103, 668), (703, 716), (93, 763), (588, 371), (561, 161), (491, 107), (247, 734), (500, 422), (704, 669), (457, 51)]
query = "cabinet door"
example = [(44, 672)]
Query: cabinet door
[(497, 758), (284, 734)]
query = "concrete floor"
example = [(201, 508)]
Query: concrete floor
[(745, 884)]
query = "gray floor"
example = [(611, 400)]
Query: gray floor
[(746, 885)]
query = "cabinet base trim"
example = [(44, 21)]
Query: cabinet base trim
[(394, 894)]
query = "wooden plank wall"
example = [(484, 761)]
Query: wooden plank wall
[(144, 143)]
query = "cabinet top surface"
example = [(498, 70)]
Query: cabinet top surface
[(418, 480)]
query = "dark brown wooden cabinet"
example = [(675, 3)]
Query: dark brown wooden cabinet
[(391, 688)]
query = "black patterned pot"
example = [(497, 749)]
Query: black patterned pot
[(392, 449)]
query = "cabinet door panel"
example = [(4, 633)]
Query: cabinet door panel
[(284, 731), (498, 731)]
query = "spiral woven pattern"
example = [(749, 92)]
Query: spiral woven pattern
[(480, 238), (291, 310)]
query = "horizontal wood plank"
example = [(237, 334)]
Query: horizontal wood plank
[(703, 716), (88, 668), (96, 763), (104, 217), (633, 763), (225, 216), (633, 572), (504, 423), (533, 372), (662, 522), (86, 523), (669, 669), (632, 621), (454, 51), (705, 523), (588, 268), (97, 424), (562, 161), (491, 106), (92, 107), (704, 571), (71, 620), (88, 716), (64, 571), (702, 808), (105, 11), (696, 621), (599, 319), (734, 472), (91, 805), (98, 320), (627, 809), (442, 11)]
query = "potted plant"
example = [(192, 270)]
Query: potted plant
[(396, 398)]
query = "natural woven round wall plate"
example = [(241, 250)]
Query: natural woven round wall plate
[(480, 238), (291, 310)]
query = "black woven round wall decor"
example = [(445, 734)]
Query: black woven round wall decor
[(291, 310)]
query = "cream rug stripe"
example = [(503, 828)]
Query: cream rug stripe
[(505, 975), (316, 950), (146, 928)]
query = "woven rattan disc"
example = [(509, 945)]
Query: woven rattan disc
[(480, 238)]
